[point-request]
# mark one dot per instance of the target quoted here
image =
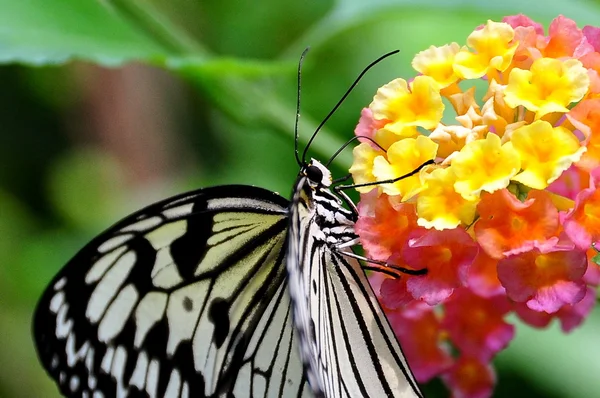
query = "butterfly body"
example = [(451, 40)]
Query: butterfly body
[(345, 340)]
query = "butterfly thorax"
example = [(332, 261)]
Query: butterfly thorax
[(335, 222)]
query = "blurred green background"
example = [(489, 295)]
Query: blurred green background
[(106, 106)]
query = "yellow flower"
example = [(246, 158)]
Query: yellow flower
[(549, 86), (484, 165), (490, 118), (493, 51), (439, 206), (545, 152), (452, 138), (386, 138), (463, 101), (420, 106), (362, 167), (471, 118), (403, 157), (437, 62)]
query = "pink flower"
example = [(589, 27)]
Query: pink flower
[(592, 34), (565, 39), (476, 325), (447, 255), (570, 183), (544, 275), (368, 126), (592, 274), (533, 318), (582, 224), (523, 20), (394, 293), (572, 316), (470, 378), (483, 276), (419, 333)]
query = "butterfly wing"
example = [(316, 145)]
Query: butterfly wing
[(347, 346), (185, 298)]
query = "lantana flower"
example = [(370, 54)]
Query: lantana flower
[(507, 218), (550, 85)]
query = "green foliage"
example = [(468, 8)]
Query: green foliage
[(82, 145)]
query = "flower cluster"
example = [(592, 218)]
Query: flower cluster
[(506, 217)]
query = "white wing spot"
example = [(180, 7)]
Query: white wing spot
[(107, 288), (242, 383), (149, 311), (118, 367), (243, 204), (99, 268), (89, 363), (143, 225), (152, 379), (74, 383), (177, 212), (182, 323), (165, 235), (107, 360), (174, 385), (138, 378), (117, 314), (114, 242), (259, 385), (185, 390), (63, 324), (57, 300), (164, 273), (74, 356), (60, 283), (89, 359)]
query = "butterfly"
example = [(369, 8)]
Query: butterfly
[(228, 291)]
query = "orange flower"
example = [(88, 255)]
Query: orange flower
[(585, 116), (383, 228), (506, 223)]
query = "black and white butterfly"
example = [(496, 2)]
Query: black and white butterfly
[(230, 291)]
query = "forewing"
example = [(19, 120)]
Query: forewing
[(347, 346), (185, 298)]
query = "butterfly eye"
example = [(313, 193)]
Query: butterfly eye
[(314, 174)]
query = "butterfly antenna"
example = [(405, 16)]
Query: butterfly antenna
[(300, 163), (372, 64), (356, 137)]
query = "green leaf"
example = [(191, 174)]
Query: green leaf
[(39, 32)]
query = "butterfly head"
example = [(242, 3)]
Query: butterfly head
[(316, 174)]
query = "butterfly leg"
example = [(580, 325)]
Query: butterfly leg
[(382, 266)]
